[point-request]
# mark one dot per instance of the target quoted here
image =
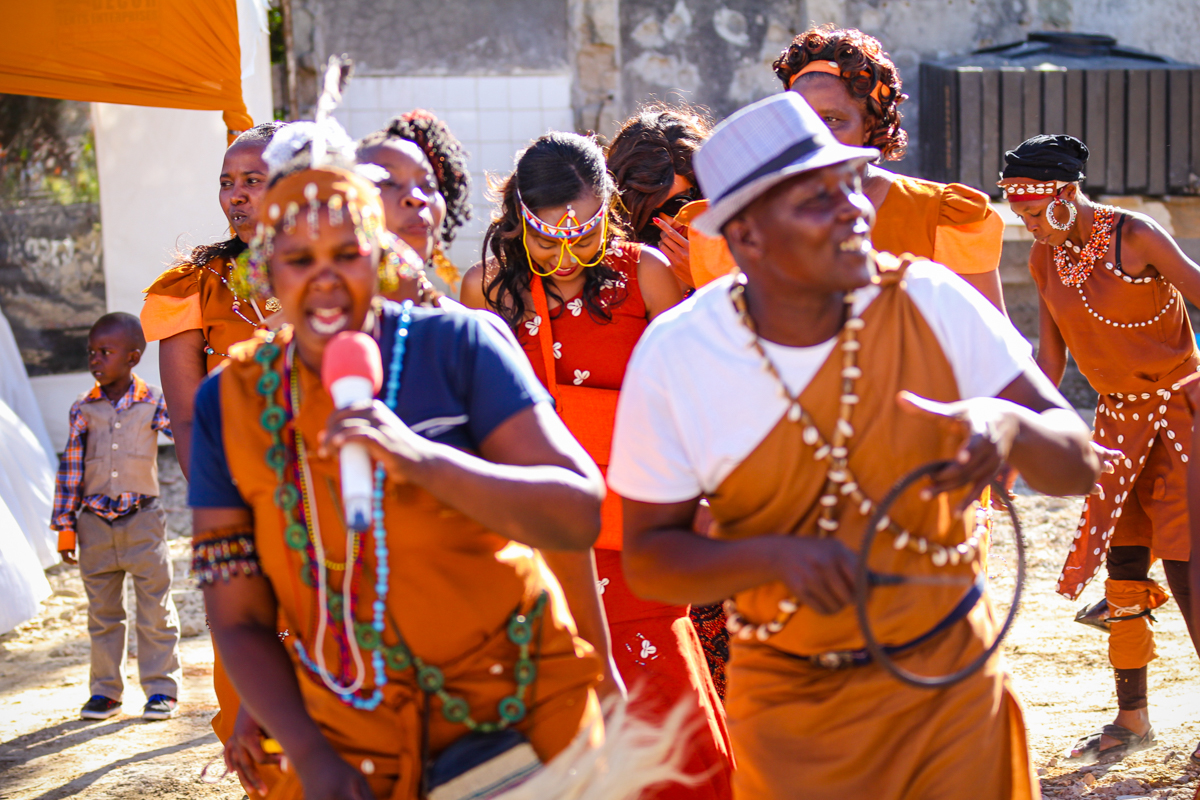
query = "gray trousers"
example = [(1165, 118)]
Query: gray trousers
[(136, 545)]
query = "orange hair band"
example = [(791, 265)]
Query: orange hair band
[(831, 68)]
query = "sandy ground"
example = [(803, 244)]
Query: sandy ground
[(1060, 670)]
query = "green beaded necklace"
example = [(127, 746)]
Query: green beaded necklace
[(399, 658)]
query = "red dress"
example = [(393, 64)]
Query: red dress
[(655, 645)]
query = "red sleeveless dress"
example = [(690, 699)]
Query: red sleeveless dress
[(655, 645)]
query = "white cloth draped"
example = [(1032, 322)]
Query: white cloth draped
[(17, 392)]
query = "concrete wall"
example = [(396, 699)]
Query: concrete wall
[(494, 116), (158, 170)]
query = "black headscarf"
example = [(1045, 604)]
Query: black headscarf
[(1053, 157)]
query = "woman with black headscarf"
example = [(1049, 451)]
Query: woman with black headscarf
[(1111, 287)]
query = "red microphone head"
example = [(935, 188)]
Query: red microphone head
[(352, 353)]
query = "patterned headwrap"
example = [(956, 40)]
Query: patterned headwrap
[(568, 228)]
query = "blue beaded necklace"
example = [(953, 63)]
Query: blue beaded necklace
[(349, 694)]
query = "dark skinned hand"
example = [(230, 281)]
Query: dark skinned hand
[(988, 429), (674, 245), (819, 572), (327, 776), (389, 440), (68, 556), (244, 752)]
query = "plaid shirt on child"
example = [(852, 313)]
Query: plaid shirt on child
[(67, 502)]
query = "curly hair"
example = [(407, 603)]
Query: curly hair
[(864, 66), (554, 170), (231, 248), (446, 155), (652, 147)]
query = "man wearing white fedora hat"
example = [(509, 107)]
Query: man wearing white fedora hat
[(794, 429)]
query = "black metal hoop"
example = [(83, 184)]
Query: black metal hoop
[(865, 579)]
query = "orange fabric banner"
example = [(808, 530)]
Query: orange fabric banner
[(166, 53)]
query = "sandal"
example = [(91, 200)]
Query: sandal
[(1088, 748)]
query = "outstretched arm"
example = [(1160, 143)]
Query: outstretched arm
[(531, 482), (665, 560), (1028, 425)]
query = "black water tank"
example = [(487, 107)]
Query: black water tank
[(1138, 112)]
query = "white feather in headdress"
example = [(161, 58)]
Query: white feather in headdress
[(324, 137)]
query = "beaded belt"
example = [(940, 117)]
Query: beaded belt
[(842, 659)]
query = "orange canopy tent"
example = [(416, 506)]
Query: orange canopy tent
[(166, 53)]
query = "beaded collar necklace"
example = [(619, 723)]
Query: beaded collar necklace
[(302, 534), (840, 482), (272, 306), (1074, 274)]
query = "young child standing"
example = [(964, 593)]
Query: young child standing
[(106, 497)]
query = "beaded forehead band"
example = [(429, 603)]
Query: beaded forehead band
[(1023, 192), (568, 226)]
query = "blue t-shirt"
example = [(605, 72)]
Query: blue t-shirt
[(461, 379)]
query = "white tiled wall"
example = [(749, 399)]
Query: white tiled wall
[(493, 116)]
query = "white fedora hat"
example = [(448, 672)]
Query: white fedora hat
[(760, 146)]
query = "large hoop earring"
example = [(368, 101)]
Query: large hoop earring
[(1072, 212)]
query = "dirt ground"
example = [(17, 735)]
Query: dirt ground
[(1060, 670)]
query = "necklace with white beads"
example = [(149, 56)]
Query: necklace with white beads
[(839, 480)]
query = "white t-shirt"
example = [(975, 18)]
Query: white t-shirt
[(696, 400)]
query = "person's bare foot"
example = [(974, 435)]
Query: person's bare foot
[(1137, 721)]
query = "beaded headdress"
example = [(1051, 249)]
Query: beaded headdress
[(568, 227), (342, 192), (344, 195), (1020, 190)]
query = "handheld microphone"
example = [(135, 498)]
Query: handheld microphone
[(352, 372)]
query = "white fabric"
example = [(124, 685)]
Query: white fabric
[(23, 585), (27, 485), (696, 400), (17, 392)]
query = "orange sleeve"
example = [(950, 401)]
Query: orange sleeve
[(709, 257), (164, 316), (969, 234), (66, 541)]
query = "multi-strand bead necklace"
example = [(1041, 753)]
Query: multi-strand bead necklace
[(840, 482), (303, 535), (1076, 274), (272, 306)]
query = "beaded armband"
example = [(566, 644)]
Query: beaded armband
[(223, 553)]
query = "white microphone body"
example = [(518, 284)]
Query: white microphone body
[(355, 460)]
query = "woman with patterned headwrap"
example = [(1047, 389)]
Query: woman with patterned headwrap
[(1111, 287), (438, 630)]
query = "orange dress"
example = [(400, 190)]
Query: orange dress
[(190, 297), (655, 645), (453, 592)]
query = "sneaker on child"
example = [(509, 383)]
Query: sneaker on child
[(100, 707), (159, 706)]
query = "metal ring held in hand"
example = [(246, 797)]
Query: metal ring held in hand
[(865, 579)]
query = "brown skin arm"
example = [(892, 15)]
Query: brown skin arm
[(1029, 424), (1146, 246), (988, 284), (471, 294), (577, 574), (181, 368), (1052, 348), (243, 614), (531, 482), (660, 289)]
